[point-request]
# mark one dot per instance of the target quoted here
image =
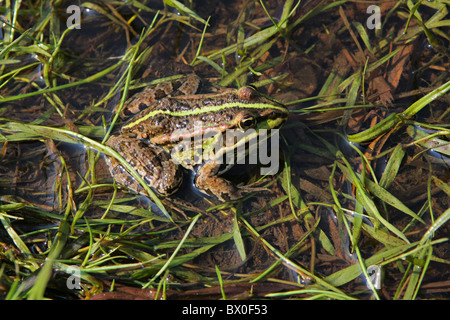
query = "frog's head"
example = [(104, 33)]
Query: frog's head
[(239, 120), (257, 111)]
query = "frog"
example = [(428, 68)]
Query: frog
[(157, 120)]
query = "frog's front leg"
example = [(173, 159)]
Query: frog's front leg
[(208, 181), (154, 165)]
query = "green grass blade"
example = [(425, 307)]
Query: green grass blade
[(391, 121), (183, 9), (30, 131), (392, 167), (426, 100), (237, 237), (38, 290), (387, 197), (173, 255), (367, 202)]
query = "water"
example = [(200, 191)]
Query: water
[(47, 176)]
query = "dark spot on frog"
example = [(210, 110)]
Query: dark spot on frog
[(143, 106), (158, 120), (159, 94), (182, 124)]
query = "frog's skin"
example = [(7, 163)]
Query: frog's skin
[(149, 141)]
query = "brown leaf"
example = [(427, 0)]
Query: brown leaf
[(398, 64), (383, 89)]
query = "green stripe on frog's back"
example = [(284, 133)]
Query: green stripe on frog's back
[(206, 109)]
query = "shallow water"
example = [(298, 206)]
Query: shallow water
[(49, 176)]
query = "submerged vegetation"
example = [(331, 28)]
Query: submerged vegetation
[(366, 154)]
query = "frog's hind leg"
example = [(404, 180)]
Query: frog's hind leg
[(154, 165)]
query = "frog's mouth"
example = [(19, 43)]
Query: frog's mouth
[(273, 119), (271, 123)]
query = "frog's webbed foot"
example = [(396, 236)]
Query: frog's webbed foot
[(154, 165), (209, 182)]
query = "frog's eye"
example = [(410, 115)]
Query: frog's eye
[(247, 93), (247, 122)]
